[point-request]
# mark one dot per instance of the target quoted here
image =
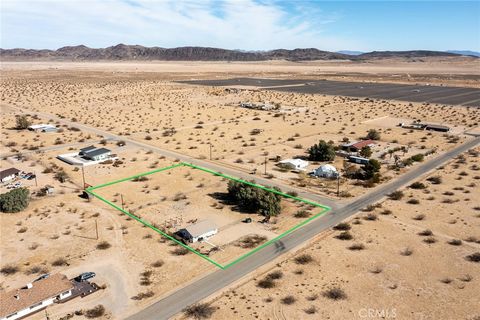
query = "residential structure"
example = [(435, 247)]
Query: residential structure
[(358, 145), (95, 154), (358, 160), (437, 127), (43, 128), (325, 171), (294, 164), (199, 231), (39, 294), (9, 174)]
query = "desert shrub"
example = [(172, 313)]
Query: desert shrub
[(426, 233), (417, 157), (435, 180), (417, 185), (143, 295), (9, 270), (61, 176), (386, 212), (406, 252), (413, 201), (419, 217), (311, 310), (199, 311), (430, 240), (302, 214), (342, 226), (103, 245), (266, 283), (303, 259), (95, 312), (356, 247), (140, 179), (292, 193), (15, 200), (250, 241), (60, 262), (344, 236), (180, 251), (396, 195), (455, 242), (36, 270), (370, 217), (322, 151), (157, 264), (275, 275), (335, 294), (288, 300), (474, 257), (373, 134)]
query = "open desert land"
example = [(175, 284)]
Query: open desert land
[(113, 105), (390, 261)]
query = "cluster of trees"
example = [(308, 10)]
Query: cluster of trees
[(253, 199), (369, 171), (15, 200), (322, 151)]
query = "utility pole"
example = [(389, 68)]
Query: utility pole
[(210, 144), (265, 165), (83, 177), (338, 185), (35, 175), (121, 197), (96, 229)]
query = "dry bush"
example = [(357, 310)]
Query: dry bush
[(406, 252), (342, 226), (344, 236), (311, 310), (474, 257), (95, 312), (335, 294), (275, 275), (266, 283), (9, 269), (143, 295), (60, 262), (157, 264), (250, 241), (103, 245), (426, 233), (303, 259), (199, 311), (396, 195), (180, 251), (288, 300), (356, 247), (455, 242)]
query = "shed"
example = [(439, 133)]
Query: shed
[(97, 154), (325, 171), (43, 128), (9, 174), (199, 231), (358, 160), (294, 164)]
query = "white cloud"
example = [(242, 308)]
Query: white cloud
[(240, 24)]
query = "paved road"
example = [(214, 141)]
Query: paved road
[(185, 158), (174, 303), (219, 279)]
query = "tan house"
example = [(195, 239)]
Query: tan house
[(35, 296)]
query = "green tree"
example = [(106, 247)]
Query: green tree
[(253, 199), (366, 152), (373, 134), (15, 200), (23, 122), (322, 151), (371, 169)]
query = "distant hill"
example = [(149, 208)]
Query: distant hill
[(137, 52), (465, 52)]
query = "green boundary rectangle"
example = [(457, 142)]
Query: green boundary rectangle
[(325, 209)]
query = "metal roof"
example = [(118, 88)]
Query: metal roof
[(200, 228), (96, 152), (8, 172)]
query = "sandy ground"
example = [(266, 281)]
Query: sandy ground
[(434, 282), (140, 101)]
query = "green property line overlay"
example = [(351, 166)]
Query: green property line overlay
[(324, 210)]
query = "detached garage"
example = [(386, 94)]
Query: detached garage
[(9, 174), (199, 231)]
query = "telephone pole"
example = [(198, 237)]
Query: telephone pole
[(83, 177), (121, 197), (265, 165), (210, 144)]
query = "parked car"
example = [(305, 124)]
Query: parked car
[(84, 276)]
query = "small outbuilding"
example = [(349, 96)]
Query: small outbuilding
[(95, 154), (199, 231), (437, 127), (9, 174), (325, 171), (294, 164), (43, 128), (359, 160)]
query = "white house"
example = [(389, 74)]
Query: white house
[(43, 128), (39, 294), (294, 164), (9, 174), (95, 154), (199, 231), (325, 171)]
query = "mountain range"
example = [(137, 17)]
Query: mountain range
[(137, 52)]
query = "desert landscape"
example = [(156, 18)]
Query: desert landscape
[(420, 243)]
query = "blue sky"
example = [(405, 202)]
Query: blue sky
[(242, 24)]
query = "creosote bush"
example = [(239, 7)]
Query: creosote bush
[(303, 259), (199, 311), (335, 294), (103, 245)]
